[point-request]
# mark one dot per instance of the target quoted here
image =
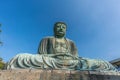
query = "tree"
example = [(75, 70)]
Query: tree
[(2, 64), (0, 39)]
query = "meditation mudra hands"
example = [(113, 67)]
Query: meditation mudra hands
[(65, 55)]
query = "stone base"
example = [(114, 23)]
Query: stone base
[(28, 74)]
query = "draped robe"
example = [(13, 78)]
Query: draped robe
[(47, 46), (47, 58)]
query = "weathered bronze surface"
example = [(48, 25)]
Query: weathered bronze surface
[(57, 52)]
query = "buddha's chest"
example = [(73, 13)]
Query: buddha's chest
[(61, 46)]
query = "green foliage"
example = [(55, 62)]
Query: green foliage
[(2, 64)]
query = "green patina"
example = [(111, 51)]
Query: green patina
[(58, 52)]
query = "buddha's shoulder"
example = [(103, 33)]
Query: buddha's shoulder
[(48, 37), (71, 41), (52, 37)]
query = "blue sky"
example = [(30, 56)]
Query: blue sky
[(92, 24)]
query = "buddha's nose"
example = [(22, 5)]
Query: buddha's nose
[(61, 27)]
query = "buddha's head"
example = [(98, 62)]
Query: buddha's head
[(60, 29)]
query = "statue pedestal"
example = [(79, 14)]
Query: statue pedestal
[(28, 74)]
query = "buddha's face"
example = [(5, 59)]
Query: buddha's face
[(60, 30)]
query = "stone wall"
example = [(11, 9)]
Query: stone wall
[(32, 74)]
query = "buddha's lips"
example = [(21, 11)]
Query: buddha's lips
[(61, 31)]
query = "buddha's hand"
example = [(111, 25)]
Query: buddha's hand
[(57, 54), (64, 54)]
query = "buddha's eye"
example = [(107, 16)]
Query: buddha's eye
[(63, 27)]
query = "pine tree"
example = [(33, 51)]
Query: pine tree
[(2, 64)]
